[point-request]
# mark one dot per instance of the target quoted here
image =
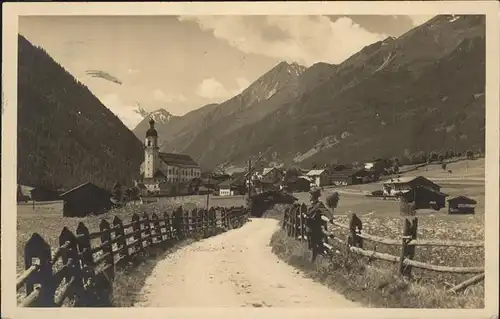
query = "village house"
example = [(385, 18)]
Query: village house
[(395, 186), (347, 177), (159, 169), (270, 175), (84, 200), (296, 184), (318, 177), (461, 205), (417, 190), (41, 194), (226, 188)]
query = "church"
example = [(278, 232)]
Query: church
[(161, 170)]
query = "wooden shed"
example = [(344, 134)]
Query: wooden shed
[(422, 198), (41, 194), (461, 205), (347, 176), (84, 200), (297, 184)]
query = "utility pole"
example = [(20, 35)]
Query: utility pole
[(209, 189), (249, 176)]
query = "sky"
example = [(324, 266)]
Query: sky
[(181, 63)]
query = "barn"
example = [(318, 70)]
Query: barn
[(41, 194), (347, 177), (297, 184), (395, 186), (84, 200), (461, 205), (423, 198)]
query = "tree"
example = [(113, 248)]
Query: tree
[(443, 166), (20, 195), (433, 157), (117, 193), (395, 166), (470, 154), (441, 158)]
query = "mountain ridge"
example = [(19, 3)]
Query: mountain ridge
[(377, 102)]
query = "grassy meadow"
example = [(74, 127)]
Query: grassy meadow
[(375, 282)]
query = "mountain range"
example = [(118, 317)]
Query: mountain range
[(66, 136), (401, 97)]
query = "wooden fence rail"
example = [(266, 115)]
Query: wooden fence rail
[(83, 274), (294, 225)]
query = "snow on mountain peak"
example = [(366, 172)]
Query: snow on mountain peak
[(161, 115)]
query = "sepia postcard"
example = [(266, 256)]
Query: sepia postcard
[(289, 160)]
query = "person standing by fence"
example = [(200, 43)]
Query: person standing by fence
[(314, 223)]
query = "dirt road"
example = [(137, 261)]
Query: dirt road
[(234, 269)]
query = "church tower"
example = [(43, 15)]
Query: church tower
[(151, 150)]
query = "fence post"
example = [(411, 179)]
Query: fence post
[(147, 229), (168, 229), (37, 251), (205, 226), (136, 228), (355, 227), (404, 247), (71, 258), (212, 220), (285, 217), (122, 241), (157, 229), (301, 220), (293, 223), (107, 248), (186, 223), (179, 223), (87, 263), (194, 222), (288, 219), (223, 223), (229, 217), (408, 251)]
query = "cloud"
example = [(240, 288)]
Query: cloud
[(133, 71), (125, 112), (302, 39), (420, 19), (159, 95), (212, 89), (243, 83)]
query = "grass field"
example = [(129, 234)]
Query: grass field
[(374, 282)]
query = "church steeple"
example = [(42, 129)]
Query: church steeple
[(151, 131), (151, 149)]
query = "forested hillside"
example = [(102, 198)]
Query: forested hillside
[(66, 136)]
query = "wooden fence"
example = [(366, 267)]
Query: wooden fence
[(82, 274), (294, 225)]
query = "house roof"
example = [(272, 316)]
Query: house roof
[(74, 189), (227, 182), (408, 179), (347, 172), (315, 172), (295, 179), (267, 170), (464, 199), (158, 174), (177, 159)]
